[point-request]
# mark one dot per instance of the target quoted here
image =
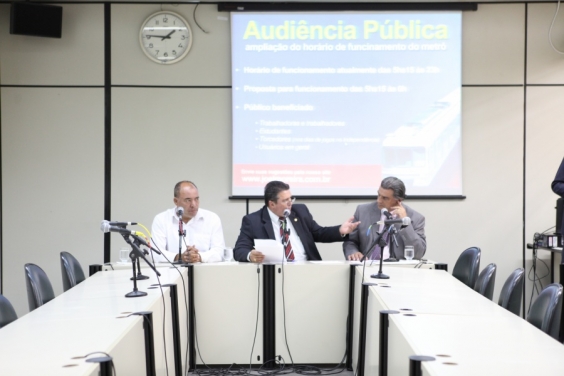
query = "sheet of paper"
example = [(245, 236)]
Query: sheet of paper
[(272, 250)]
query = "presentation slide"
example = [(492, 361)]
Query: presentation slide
[(331, 103)]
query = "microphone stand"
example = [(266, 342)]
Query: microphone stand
[(393, 241), (382, 243), (134, 255), (181, 235), (139, 276)]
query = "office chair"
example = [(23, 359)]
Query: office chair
[(546, 309), (486, 281), (512, 290), (467, 266), (71, 270), (39, 289), (7, 312)]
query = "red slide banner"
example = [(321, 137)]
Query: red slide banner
[(308, 176)]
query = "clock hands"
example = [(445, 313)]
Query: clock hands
[(168, 35), (162, 37)]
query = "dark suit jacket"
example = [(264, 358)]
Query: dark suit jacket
[(558, 186), (258, 225)]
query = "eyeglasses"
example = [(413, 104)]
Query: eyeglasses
[(288, 200)]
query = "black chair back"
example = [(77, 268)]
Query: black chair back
[(486, 281), (71, 270), (546, 309), (512, 291), (7, 312), (467, 266), (39, 289)]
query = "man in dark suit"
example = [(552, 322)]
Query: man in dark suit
[(300, 226), (558, 188), (390, 197)]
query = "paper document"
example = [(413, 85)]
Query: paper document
[(272, 250)]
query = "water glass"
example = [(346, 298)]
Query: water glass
[(124, 255), (409, 252), (228, 254)]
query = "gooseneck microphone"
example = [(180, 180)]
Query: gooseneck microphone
[(106, 226), (286, 213), (179, 211), (387, 213)]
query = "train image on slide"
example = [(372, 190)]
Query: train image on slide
[(417, 150)]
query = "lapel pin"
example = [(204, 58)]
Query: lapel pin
[(295, 219)]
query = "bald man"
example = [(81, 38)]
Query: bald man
[(204, 235)]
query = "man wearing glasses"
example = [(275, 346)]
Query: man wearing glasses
[(390, 197), (298, 232)]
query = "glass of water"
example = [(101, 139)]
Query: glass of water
[(409, 252), (124, 254), (228, 254)]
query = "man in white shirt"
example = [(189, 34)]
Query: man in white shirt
[(204, 235)]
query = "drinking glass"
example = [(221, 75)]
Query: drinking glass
[(228, 254), (409, 252), (124, 255)]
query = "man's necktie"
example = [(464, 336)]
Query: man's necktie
[(377, 250), (285, 236)]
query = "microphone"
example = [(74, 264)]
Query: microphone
[(386, 213), (406, 221), (107, 227), (122, 224), (180, 211), (286, 213)]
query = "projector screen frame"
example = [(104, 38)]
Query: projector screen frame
[(299, 7), (339, 7), (298, 197)]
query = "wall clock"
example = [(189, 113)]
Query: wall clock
[(165, 37)]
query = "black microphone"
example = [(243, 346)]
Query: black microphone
[(387, 213), (405, 221), (286, 213), (180, 211), (121, 223)]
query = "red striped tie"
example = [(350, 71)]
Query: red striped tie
[(285, 236)]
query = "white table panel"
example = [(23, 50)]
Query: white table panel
[(316, 299), (226, 298)]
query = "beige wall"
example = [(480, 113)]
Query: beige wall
[(53, 138)]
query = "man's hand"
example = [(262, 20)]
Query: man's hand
[(398, 211), (191, 255), (349, 226), (256, 256), (357, 256)]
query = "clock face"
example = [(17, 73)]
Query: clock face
[(165, 37)]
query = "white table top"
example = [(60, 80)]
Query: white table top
[(86, 318), (475, 333)]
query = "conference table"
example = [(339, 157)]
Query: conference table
[(301, 313), (434, 314), (95, 317)]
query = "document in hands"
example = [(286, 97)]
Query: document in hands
[(272, 250)]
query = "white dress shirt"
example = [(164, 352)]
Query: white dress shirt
[(203, 231), (297, 246)]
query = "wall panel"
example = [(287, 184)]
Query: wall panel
[(207, 63), (75, 59), (493, 45), (544, 65), (52, 182)]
